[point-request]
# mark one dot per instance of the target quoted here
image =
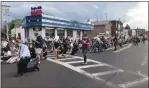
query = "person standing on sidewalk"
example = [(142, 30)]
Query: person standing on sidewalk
[(115, 41), (38, 47), (85, 45)]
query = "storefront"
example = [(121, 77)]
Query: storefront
[(54, 26)]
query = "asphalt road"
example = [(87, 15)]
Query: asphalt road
[(134, 60), (127, 68)]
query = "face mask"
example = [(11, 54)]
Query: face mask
[(20, 44)]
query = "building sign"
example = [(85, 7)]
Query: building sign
[(35, 11), (74, 23)]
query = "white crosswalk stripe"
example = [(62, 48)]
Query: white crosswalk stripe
[(74, 62), (89, 66), (66, 59), (133, 83), (107, 72), (97, 62), (96, 76)]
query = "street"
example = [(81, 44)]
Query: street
[(125, 68)]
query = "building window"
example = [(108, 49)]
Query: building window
[(34, 20), (26, 33), (86, 32), (60, 32), (27, 21), (78, 34), (39, 29), (50, 32), (70, 33)]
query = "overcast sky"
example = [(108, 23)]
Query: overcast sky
[(133, 13)]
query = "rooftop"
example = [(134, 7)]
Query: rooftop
[(100, 22)]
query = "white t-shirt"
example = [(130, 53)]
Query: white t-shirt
[(5, 43), (13, 41), (7, 53), (50, 39)]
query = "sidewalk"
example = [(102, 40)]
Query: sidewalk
[(117, 47)]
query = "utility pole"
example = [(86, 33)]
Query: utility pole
[(106, 16), (5, 12)]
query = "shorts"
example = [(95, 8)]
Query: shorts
[(38, 50)]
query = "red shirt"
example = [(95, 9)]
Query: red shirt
[(85, 43)]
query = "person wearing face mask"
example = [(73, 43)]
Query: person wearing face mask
[(85, 45), (25, 57)]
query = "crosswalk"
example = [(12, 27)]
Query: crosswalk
[(98, 71)]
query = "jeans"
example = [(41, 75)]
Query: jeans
[(84, 51)]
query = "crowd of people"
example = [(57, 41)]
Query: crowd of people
[(15, 50)]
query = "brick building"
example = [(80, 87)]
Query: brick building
[(140, 32), (131, 32), (116, 28), (109, 27), (101, 27)]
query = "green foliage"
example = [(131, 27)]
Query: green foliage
[(127, 27), (12, 24)]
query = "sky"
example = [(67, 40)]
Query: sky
[(133, 13)]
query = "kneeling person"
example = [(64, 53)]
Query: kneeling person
[(24, 55)]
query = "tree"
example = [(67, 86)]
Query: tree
[(127, 27), (13, 23)]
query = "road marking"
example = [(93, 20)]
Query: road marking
[(145, 61), (67, 59), (89, 66), (141, 74), (110, 48), (123, 48), (107, 72), (133, 83), (97, 62), (82, 72), (74, 62), (112, 66), (95, 77), (113, 47)]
